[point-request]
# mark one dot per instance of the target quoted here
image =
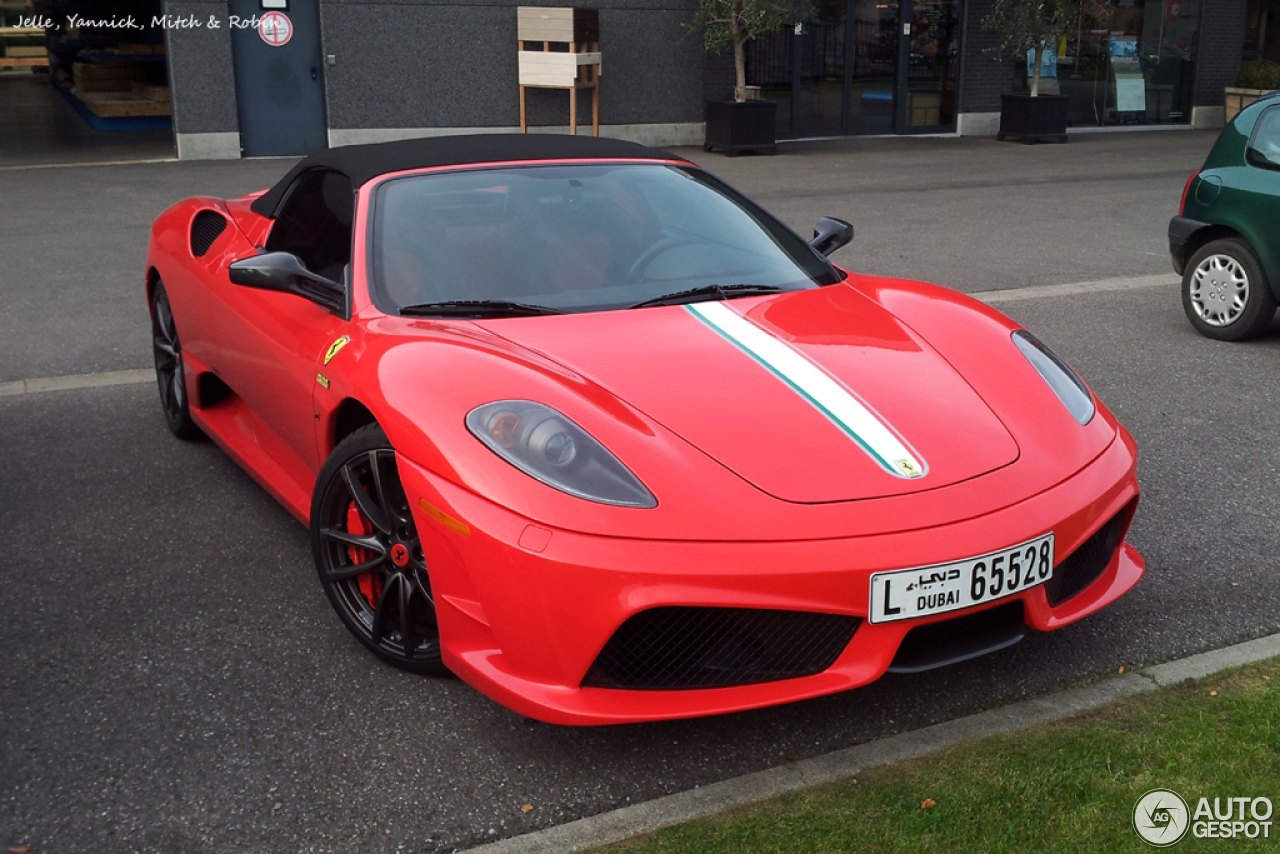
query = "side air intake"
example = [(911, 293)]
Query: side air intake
[(205, 229)]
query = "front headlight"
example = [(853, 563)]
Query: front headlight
[(1066, 383), (546, 445)]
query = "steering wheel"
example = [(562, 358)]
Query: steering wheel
[(636, 273)]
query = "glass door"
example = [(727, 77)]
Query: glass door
[(818, 82), (928, 60), (874, 66), (862, 67)]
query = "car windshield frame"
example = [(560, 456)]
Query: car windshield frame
[(812, 268)]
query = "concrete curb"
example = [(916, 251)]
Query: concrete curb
[(1208, 663), (624, 823)]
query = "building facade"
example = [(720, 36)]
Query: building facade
[(366, 70)]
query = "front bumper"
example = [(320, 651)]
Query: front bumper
[(525, 610)]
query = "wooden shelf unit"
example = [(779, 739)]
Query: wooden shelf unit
[(559, 48)]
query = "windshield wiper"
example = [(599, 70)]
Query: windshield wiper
[(711, 291), (476, 308)]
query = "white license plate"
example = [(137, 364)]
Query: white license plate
[(905, 594)]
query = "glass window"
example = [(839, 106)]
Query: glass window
[(576, 238), (1126, 63), (315, 222), (1264, 144)]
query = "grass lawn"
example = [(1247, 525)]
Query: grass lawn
[(1069, 786)]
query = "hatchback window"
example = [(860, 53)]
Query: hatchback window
[(1264, 144)]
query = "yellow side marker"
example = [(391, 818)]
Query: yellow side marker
[(444, 518)]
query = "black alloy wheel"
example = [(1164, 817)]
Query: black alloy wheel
[(369, 556), (169, 374)]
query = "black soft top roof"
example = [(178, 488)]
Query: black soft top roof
[(362, 163)]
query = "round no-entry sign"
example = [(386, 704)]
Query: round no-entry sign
[(275, 28)]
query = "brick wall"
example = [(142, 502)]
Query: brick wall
[(1218, 49), (983, 77)]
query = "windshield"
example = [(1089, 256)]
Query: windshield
[(583, 237)]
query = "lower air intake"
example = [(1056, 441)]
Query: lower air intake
[(1083, 566), (682, 648)]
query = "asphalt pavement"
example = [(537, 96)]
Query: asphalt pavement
[(172, 678)]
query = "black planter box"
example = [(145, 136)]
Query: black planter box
[(1033, 119), (737, 126)]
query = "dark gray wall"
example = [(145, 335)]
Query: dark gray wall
[(431, 63), (201, 75), (983, 77), (1218, 50)]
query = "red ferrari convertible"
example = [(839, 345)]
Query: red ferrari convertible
[(576, 421)]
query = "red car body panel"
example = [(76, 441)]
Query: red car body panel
[(760, 503)]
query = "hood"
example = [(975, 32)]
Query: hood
[(813, 396)]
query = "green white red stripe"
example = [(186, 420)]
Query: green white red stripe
[(823, 391)]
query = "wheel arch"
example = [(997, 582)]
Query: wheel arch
[(152, 277), (349, 417), (1201, 236)]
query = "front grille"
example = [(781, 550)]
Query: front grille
[(682, 648), (205, 228), (1083, 566)]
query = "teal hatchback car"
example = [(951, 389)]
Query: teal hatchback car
[(1225, 240)]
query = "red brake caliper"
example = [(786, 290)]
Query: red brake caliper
[(371, 582)]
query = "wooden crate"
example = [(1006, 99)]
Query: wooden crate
[(27, 52), (151, 91), (106, 76), (109, 105), (542, 24)]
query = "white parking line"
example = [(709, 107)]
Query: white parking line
[(1124, 283), (146, 375), (77, 381)]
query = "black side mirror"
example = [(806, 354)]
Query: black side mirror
[(830, 234), (284, 271)]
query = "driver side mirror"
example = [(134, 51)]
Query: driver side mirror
[(830, 234), (285, 272)]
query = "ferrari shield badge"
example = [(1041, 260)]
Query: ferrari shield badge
[(335, 347), (908, 468)]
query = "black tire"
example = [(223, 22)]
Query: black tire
[(170, 376), (1225, 294), (369, 557)]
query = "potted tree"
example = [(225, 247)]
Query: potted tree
[(1256, 78), (1030, 28), (741, 124)]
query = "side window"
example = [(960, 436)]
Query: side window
[(1264, 144), (315, 222)]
